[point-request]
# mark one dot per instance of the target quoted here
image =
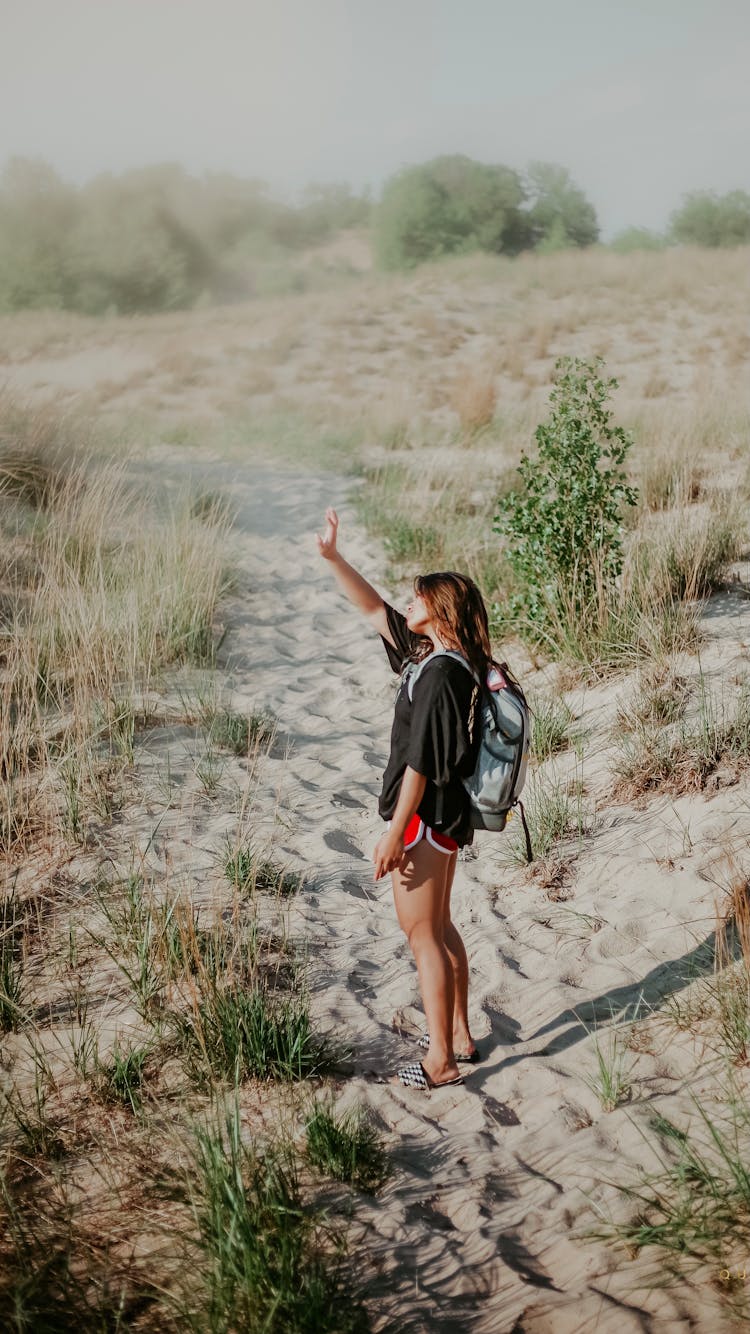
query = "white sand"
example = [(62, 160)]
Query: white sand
[(478, 1226)]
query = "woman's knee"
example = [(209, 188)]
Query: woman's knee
[(424, 934)]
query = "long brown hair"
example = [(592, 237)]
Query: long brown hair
[(457, 608)]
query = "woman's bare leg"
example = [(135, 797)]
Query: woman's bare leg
[(462, 1040), (419, 889)]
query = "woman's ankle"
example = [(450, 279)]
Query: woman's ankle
[(462, 1037)]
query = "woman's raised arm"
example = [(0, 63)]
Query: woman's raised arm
[(364, 597)]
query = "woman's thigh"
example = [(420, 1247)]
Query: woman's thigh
[(420, 886), (448, 886)]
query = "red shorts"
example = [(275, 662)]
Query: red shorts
[(417, 829)]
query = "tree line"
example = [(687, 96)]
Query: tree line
[(157, 238)]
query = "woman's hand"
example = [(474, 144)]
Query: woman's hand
[(388, 854), (327, 543)]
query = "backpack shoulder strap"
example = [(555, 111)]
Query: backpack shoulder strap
[(439, 653)]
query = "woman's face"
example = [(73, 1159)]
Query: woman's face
[(417, 616)]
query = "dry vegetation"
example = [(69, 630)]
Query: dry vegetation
[(135, 1015), (140, 1023)]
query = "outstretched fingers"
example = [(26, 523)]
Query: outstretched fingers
[(327, 543)]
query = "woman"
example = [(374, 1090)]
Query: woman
[(433, 746)]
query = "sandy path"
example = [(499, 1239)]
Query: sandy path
[(476, 1227)]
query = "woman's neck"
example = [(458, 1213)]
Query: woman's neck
[(438, 643)]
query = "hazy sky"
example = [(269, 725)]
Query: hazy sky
[(641, 99)]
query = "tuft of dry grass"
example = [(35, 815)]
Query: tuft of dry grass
[(689, 755), (101, 589), (668, 480), (474, 400), (659, 696)]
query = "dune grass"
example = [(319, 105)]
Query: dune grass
[(694, 1208), (103, 587), (270, 1261), (556, 816), (346, 1146), (686, 755), (249, 1031), (551, 722), (106, 589), (11, 964), (250, 870), (611, 1081)]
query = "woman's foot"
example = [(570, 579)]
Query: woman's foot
[(464, 1049), (418, 1076)]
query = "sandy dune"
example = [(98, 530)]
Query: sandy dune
[(479, 1226)]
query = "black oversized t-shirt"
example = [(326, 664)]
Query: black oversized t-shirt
[(431, 734)]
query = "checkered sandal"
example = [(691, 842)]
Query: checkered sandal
[(416, 1077), (424, 1045)]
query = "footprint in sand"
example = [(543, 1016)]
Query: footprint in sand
[(344, 799), (340, 842), (612, 943)]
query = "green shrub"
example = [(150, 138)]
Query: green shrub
[(564, 525), (151, 239), (37, 215), (447, 205), (636, 238), (713, 220), (560, 215)]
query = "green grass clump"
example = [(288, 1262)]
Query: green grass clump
[(137, 944), (611, 1082), (659, 697), (684, 758), (554, 813), (238, 732), (697, 1206), (27, 1111), (347, 1147), (551, 720), (121, 1079), (105, 586), (54, 1278), (669, 479), (246, 868), (243, 1031), (270, 1263), (730, 992), (689, 558), (418, 541)]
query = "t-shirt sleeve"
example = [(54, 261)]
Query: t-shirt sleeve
[(439, 740), (402, 637)]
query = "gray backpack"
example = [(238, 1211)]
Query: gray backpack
[(495, 786)]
